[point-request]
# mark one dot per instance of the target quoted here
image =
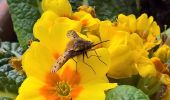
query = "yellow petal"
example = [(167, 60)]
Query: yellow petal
[(93, 38), (107, 31), (145, 67), (125, 50), (122, 18), (54, 37), (122, 62), (60, 7), (163, 53), (37, 61), (30, 90), (155, 29), (95, 91), (132, 23), (142, 23), (93, 69)]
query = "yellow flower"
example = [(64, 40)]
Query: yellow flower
[(128, 56), (145, 27), (67, 83), (83, 80), (163, 53), (84, 17), (60, 7)]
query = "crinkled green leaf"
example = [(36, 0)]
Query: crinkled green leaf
[(24, 15), (126, 92), (10, 79)]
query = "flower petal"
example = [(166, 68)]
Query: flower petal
[(37, 61), (132, 23), (51, 31), (107, 31), (145, 67), (95, 91), (93, 69), (57, 7), (30, 89)]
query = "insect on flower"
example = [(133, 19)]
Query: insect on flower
[(75, 47)]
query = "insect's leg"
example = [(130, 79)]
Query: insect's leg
[(76, 63), (86, 63), (90, 67), (99, 57), (90, 55), (86, 54)]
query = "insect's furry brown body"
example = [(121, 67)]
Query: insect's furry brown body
[(76, 46)]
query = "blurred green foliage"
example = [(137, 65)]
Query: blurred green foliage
[(109, 9), (24, 14), (10, 79)]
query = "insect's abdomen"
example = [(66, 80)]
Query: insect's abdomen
[(60, 61)]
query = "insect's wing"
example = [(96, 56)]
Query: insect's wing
[(72, 35)]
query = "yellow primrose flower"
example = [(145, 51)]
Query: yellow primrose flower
[(128, 56), (85, 14), (68, 83), (163, 53), (60, 7), (145, 27)]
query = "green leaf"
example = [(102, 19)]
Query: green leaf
[(24, 14), (10, 79), (126, 92)]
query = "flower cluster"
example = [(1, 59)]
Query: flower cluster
[(130, 42)]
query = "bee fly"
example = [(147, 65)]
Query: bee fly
[(75, 47)]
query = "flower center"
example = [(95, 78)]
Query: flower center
[(63, 88)]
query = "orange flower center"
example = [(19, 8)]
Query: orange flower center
[(63, 88)]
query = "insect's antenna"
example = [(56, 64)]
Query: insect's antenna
[(100, 43)]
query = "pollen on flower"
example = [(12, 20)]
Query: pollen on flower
[(64, 86)]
